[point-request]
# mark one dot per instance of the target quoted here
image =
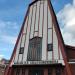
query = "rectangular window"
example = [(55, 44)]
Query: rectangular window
[(50, 47), (21, 50), (35, 49)]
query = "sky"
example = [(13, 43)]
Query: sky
[(12, 13)]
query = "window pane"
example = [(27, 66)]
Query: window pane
[(35, 49), (49, 47), (21, 50)]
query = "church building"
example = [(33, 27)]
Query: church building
[(40, 49)]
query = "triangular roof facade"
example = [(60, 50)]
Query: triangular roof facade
[(48, 20)]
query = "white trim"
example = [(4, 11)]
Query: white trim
[(71, 62)]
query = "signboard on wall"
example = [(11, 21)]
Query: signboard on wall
[(37, 62)]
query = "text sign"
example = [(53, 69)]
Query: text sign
[(38, 62)]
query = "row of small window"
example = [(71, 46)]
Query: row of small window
[(49, 48), (36, 71)]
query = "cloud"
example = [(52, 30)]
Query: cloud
[(74, 2), (68, 38), (7, 27), (8, 24), (9, 39), (8, 32), (66, 19)]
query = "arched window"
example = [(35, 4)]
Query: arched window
[(35, 49)]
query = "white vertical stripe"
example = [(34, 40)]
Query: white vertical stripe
[(33, 21), (40, 22), (20, 58), (49, 36), (49, 33), (17, 50), (23, 40), (25, 25), (27, 36), (55, 45), (44, 41), (37, 16), (49, 19), (49, 55)]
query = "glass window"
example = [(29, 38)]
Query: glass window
[(49, 47), (21, 50), (35, 49)]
